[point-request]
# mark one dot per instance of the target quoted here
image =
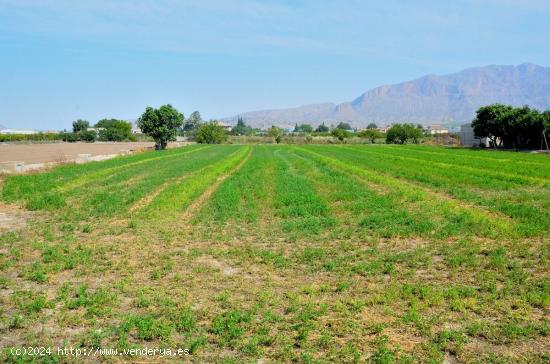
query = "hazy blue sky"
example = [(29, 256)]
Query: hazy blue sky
[(62, 60)]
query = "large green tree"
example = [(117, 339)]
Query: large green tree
[(161, 124), (546, 118), (489, 122), (523, 128), (509, 126), (546, 127)]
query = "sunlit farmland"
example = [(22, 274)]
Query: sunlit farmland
[(306, 253)]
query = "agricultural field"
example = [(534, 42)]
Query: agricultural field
[(266, 253), (30, 153)]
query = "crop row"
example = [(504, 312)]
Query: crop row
[(307, 190)]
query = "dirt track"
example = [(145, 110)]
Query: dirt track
[(63, 152)]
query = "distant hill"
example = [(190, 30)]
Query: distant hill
[(450, 99)]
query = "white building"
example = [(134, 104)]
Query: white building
[(97, 130), (224, 125), (468, 139), (436, 129)]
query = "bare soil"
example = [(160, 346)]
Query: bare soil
[(64, 152), (12, 217)]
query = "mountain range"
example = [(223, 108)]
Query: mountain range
[(449, 99)]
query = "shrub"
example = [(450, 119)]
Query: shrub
[(276, 133), (211, 133), (114, 130), (403, 133), (70, 137), (88, 136), (340, 134), (31, 137), (371, 134)]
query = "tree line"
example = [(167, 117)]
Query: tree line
[(162, 124), (512, 127), (165, 123), (104, 130), (503, 125), (397, 134)]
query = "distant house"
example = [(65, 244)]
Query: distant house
[(18, 131), (384, 129), (95, 129), (226, 126), (135, 127), (468, 139), (436, 130)]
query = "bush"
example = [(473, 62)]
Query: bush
[(113, 134), (88, 136), (31, 137), (371, 134), (276, 133), (211, 133), (341, 134), (70, 137), (114, 130)]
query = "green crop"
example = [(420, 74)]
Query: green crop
[(277, 253)]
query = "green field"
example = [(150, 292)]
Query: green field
[(312, 253)]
